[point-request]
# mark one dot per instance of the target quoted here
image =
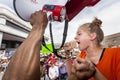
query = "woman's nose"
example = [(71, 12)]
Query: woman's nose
[(75, 37)]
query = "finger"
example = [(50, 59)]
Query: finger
[(41, 12), (84, 61), (37, 12), (31, 18), (81, 64), (31, 21), (80, 60), (45, 15), (83, 75)]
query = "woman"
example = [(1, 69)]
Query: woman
[(94, 62)]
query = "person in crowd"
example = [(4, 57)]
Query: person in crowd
[(42, 67), (94, 62), (62, 70), (50, 58), (25, 63), (53, 71), (4, 63)]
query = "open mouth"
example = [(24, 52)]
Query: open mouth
[(78, 42)]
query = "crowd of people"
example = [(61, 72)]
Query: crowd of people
[(93, 63), (4, 60), (54, 67)]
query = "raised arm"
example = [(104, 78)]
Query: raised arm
[(25, 63)]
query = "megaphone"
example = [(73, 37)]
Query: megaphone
[(24, 9)]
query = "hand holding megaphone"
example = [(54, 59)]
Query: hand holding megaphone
[(28, 10), (39, 18)]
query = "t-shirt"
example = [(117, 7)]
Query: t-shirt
[(109, 65), (53, 72), (62, 69)]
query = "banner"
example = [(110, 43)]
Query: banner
[(45, 50)]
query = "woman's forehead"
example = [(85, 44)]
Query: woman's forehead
[(80, 29)]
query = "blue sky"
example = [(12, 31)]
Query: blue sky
[(106, 10)]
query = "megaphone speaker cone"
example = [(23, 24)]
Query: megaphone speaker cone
[(24, 8)]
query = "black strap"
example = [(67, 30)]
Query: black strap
[(44, 44), (65, 33), (102, 54), (52, 41), (54, 50)]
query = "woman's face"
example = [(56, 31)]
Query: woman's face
[(83, 38)]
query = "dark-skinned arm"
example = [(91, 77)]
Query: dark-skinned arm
[(25, 63)]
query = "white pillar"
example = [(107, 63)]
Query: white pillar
[(1, 36)]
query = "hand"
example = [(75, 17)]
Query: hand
[(84, 69), (39, 18)]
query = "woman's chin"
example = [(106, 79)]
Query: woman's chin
[(80, 48)]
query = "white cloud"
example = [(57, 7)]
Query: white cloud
[(106, 10), (110, 17), (9, 3)]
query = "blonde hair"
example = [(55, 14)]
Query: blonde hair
[(95, 27)]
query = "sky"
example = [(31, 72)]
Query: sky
[(106, 10)]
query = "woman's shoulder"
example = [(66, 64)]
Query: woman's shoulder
[(113, 49)]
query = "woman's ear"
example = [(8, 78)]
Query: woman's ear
[(93, 36)]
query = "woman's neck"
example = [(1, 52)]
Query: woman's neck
[(94, 53)]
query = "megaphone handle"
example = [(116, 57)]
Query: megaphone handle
[(50, 18)]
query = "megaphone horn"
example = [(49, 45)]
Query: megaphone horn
[(24, 9)]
